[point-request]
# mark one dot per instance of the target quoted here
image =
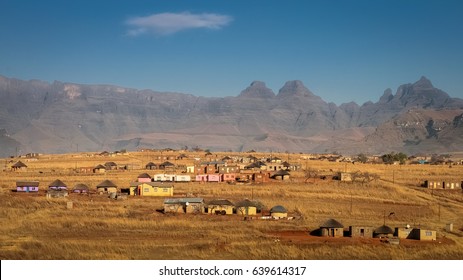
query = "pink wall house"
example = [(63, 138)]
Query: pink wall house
[(213, 178)]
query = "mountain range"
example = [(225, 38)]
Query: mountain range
[(60, 117)]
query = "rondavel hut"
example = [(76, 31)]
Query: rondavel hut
[(106, 187), (332, 228)]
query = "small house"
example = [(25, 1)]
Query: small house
[(193, 205), (332, 228), (167, 166), (258, 165), (182, 178), (403, 232), (228, 177), (223, 169), (361, 231), (213, 177), (278, 212), (144, 177), (57, 185), (151, 166), (261, 177), (246, 207), (99, 169), (423, 234), (106, 187), (433, 184), (57, 193), (451, 185), (190, 169), (80, 188), (281, 175), (27, 186), (345, 176), (273, 166), (201, 178), (220, 207), (19, 166), (383, 231), (110, 165), (151, 189)]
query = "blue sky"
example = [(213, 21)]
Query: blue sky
[(342, 50)]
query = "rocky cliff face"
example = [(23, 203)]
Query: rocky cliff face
[(58, 117)]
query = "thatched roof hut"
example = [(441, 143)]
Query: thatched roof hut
[(246, 207), (278, 212), (106, 187), (19, 166), (151, 166), (331, 228), (331, 223), (220, 206), (281, 175), (80, 188), (57, 185), (383, 231)]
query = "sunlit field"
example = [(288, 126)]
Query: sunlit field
[(97, 227)]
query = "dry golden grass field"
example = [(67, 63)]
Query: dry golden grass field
[(34, 227)]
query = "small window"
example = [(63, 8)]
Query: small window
[(146, 190), (428, 233)]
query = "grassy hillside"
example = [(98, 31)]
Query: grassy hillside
[(34, 227)]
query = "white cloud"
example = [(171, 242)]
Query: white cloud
[(168, 23)]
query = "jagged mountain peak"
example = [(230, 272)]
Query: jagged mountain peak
[(294, 88), (387, 96), (257, 89), (423, 83), (421, 94)]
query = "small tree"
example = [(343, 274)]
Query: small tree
[(362, 158), (310, 173)]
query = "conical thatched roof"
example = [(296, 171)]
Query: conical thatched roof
[(281, 172), (106, 184), (331, 223), (144, 175), (246, 203), (19, 164), (220, 202), (57, 183), (278, 209), (81, 187), (383, 230)]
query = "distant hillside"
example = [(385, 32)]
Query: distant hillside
[(62, 117)]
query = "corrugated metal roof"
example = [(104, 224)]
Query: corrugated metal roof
[(153, 184), (183, 200)]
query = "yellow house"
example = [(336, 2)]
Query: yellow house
[(423, 234), (151, 189), (246, 207), (220, 207)]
